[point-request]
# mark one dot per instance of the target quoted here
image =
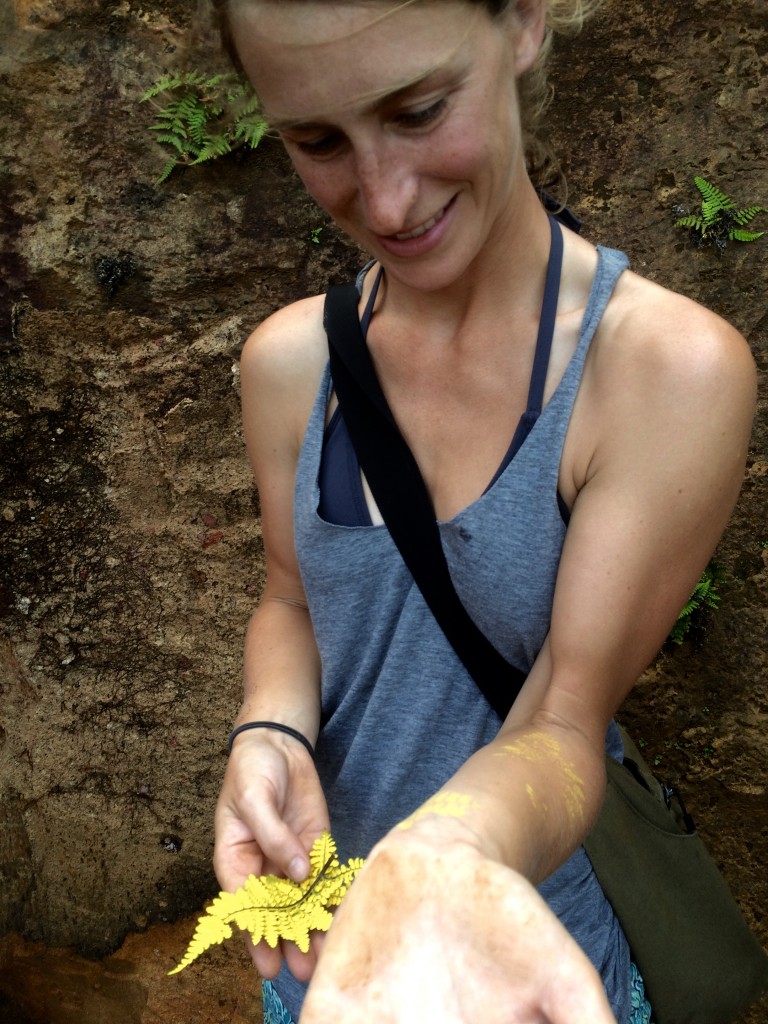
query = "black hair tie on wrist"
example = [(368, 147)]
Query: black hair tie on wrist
[(272, 725)]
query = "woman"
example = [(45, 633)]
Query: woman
[(404, 122)]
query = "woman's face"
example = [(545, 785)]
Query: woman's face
[(401, 121)]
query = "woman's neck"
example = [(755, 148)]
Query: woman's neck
[(503, 283)]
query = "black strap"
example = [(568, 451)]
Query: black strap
[(403, 500)]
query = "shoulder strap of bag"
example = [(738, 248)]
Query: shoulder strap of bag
[(403, 500)]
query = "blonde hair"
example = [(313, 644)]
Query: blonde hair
[(566, 18), (562, 17)]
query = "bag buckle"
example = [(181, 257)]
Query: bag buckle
[(671, 793)]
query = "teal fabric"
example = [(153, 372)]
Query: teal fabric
[(641, 1008), (274, 1011)]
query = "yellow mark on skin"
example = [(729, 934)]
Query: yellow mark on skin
[(444, 805), (575, 798), (537, 747), (538, 804)]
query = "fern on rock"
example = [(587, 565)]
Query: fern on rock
[(205, 116), (271, 908), (718, 221)]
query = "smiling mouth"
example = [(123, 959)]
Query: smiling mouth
[(422, 228)]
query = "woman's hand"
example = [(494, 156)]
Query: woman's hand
[(270, 811), (434, 930)]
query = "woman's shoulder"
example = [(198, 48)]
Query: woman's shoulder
[(659, 340), (281, 367), (290, 341), (668, 388)]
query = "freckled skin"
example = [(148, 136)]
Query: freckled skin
[(483, 913)]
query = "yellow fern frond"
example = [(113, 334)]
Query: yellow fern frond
[(271, 908), (210, 931)]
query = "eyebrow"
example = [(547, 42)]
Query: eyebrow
[(280, 124)]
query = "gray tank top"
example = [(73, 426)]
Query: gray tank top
[(400, 712)]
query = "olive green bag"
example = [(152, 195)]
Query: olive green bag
[(699, 960)]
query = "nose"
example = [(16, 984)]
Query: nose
[(387, 184)]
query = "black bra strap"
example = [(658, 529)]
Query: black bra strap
[(547, 319)]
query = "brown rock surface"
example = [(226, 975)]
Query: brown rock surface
[(38, 983), (131, 552)]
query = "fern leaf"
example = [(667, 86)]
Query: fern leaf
[(743, 217), (166, 171), (251, 133), (705, 595), (679, 630), (197, 120), (211, 930), (250, 105), (189, 109), (166, 83), (713, 198), (205, 116), (216, 145), (691, 221), (738, 235), (271, 908), (172, 140)]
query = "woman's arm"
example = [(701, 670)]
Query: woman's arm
[(658, 444), (662, 428), (271, 807)]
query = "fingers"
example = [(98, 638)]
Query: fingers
[(301, 965), (266, 960), (270, 811), (251, 831), (279, 844)]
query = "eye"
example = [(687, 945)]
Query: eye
[(422, 117), (321, 146)]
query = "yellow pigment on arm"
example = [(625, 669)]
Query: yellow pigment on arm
[(444, 805), (538, 747)]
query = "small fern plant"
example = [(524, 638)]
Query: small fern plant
[(271, 908), (204, 116), (718, 222), (705, 595)]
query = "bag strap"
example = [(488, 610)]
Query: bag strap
[(397, 486)]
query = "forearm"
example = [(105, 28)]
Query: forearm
[(527, 799), (271, 807), (281, 672)]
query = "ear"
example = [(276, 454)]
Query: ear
[(530, 18)]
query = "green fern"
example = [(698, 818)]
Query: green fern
[(705, 595), (205, 116), (719, 221)]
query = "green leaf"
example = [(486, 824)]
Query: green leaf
[(738, 235), (173, 140), (205, 116), (743, 217), (166, 171)]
